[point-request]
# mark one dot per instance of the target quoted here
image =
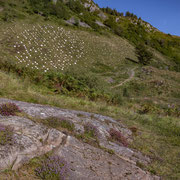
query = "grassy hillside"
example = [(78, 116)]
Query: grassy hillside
[(128, 26), (44, 52), (44, 60)]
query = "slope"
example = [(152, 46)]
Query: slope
[(44, 60)]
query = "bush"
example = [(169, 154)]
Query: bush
[(54, 168), (144, 56), (125, 92), (91, 130), (9, 109), (117, 99), (6, 135), (67, 124), (117, 136), (75, 6), (46, 7), (59, 10)]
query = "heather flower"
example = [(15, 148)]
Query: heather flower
[(9, 109), (53, 168), (117, 135)]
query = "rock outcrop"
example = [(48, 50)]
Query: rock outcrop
[(73, 21), (87, 161)]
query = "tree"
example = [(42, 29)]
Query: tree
[(75, 6), (144, 56), (128, 14)]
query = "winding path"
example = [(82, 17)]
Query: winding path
[(132, 74)]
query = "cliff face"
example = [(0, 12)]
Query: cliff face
[(102, 158)]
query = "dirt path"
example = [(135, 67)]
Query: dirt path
[(132, 74)]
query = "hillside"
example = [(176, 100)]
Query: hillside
[(75, 55), (88, 15)]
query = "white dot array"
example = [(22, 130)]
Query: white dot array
[(46, 47)]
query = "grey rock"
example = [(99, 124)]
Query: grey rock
[(31, 139), (102, 15), (94, 164), (1, 9), (87, 161), (87, 5), (73, 21), (83, 24), (99, 23), (92, 7)]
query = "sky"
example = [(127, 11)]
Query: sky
[(162, 14)]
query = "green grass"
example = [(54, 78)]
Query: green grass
[(58, 123), (157, 136)]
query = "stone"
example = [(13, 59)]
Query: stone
[(86, 161), (99, 23), (102, 16), (73, 21)]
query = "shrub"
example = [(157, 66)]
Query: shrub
[(134, 129), (117, 99), (90, 135), (59, 10), (75, 6), (67, 124), (144, 56), (9, 109), (125, 92), (6, 135), (91, 130), (54, 168), (117, 136)]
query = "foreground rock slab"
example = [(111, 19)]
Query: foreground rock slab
[(87, 162)]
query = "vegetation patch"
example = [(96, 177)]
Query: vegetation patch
[(53, 167), (90, 130), (67, 124), (117, 136), (6, 135), (110, 151), (55, 122), (9, 109), (90, 135), (144, 56), (168, 110)]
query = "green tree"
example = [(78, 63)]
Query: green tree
[(128, 14), (144, 56)]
